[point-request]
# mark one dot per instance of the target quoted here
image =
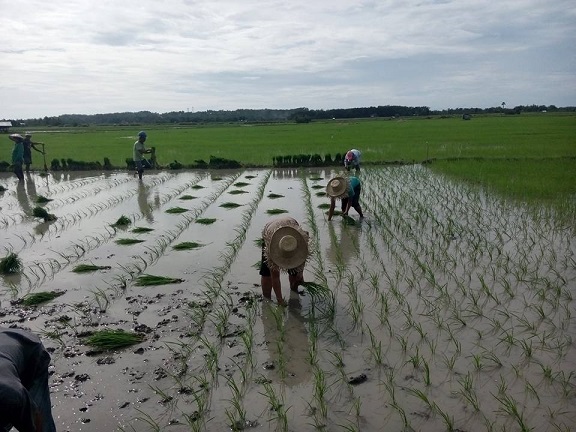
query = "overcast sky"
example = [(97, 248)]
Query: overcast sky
[(89, 57)]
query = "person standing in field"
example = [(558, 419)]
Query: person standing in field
[(18, 155), (352, 159), (139, 151), (284, 248), (24, 392), (28, 146), (346, 189)]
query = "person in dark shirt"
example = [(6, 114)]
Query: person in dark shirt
[(24, 392)]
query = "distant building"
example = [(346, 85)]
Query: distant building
[(5, 126)]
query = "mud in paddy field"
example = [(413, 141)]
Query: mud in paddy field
[(446, 308)]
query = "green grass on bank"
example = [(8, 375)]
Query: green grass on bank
[(412, 139), (548, 180)]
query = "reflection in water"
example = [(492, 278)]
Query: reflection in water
[(347, 242), (23, 198), (143, 203), (31, 186), (293, 351)]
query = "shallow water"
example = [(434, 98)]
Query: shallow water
[(451, 301)]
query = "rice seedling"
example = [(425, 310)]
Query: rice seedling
[(149, 280), (141, 230), (274, 196), (35, 299), (10, 264), (187, 197), (206, 221), (42, 199), (230, 205), (42, 213), (113, 339), (86, 268), (176, 210), (276, 211), (187, 246), (128, 241), (122, 221)]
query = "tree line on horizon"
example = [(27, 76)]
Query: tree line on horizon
[(298, 115)]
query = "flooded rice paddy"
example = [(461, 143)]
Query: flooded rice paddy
[(446, 308)]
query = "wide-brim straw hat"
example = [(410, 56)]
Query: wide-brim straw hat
[(287, 248), (16, 137), (337, 187)]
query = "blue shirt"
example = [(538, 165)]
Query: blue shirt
[(352, 184), (18, 153)]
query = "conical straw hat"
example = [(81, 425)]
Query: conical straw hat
[(287, 248), (337, 187)]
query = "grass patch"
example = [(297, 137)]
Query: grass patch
[(42, 199), (176, 210), (10, 264), (40, 297), (113, 339), (206, 221), (128, 241), (187, 246), (42, 213), (230, 205), (187, 197), (276, 211), (237, 192), (86, 268), (148, 280), (141, 230), (122, 221), (525, 179), (275, 196)]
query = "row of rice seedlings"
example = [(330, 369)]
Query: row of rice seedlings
[(477, 359)]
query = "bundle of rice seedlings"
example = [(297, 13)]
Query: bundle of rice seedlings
[(275, 196), (3, 189), (315, 289), (122, 221), (85, 268), (230, 205), (206, 221), (241, 184), (323, 206), (147, 280), (259, 242), (348, 220), (197, 187), (40, 297), (175, 210), (42, 213), (43, 200), (257, 265), (128, 241), (113, 339), (276, 211), (249, 177), (316, 178), (187, 197), (141, 230), (318, 187), (320, 194), (237, 192), (216, 178), (187, 246), (10, 264)]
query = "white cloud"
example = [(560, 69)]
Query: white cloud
[(79, 56)]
